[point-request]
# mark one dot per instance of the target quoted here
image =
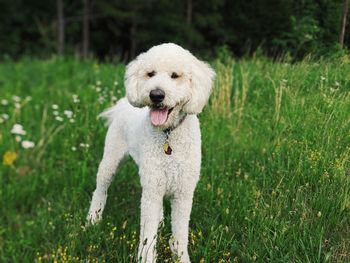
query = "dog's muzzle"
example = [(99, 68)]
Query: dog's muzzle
[(157, 95)]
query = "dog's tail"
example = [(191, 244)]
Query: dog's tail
[(108, 115), (111, 113)]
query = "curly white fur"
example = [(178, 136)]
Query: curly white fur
[(131, 132)]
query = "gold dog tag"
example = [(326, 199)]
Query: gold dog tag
[(167, 148)]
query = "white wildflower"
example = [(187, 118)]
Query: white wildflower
[(74, 148), (98, 83), (59, 118), (28, 98), (55, 113), (101, 99), (17, 105), (4, 102), (18, 129), (27, 144), (16, 98), (68, 113), (116, 83), (75, 98), (54, 106), (84, 145), (18, 138), (98, 89), (71, 120), (5, 116)]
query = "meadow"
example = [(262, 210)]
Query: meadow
[(275, 180)]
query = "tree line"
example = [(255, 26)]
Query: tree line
[(121, 29)]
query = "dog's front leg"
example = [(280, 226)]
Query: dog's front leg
[(99, 197), (114, 151), (181, 206), (151, 209)]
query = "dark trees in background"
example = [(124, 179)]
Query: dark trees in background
[(121, 29), (133, 29), (189, 16), (189, 11), (86, 32), (60, 27), (343, 22)]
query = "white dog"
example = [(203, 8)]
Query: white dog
[(157, 125)]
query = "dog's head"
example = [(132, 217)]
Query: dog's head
[(170, 80)]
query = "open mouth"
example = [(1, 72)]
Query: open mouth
[(159, 115)]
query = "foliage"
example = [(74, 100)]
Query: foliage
[(121, 29), (275, 173)]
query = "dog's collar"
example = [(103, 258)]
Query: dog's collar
[(173, 127), (167, 131)]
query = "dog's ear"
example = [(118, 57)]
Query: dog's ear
[(131, 81), (202, 78)]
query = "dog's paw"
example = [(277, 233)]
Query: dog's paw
[(93, 218)]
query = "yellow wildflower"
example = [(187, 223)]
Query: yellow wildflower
[(8, 158)]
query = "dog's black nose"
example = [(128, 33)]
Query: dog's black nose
[(157, 96)]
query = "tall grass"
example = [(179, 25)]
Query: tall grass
[(275, 182)]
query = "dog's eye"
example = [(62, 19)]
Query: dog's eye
[(174, 75), (151, 74)]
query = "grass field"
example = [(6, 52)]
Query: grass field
[(275, 182)]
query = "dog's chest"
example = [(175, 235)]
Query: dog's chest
[(169, 172), (181, 167), (172, 175)]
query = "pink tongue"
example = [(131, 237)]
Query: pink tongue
[(159, 116)]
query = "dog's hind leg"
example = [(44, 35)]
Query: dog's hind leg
[(114, 151)]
